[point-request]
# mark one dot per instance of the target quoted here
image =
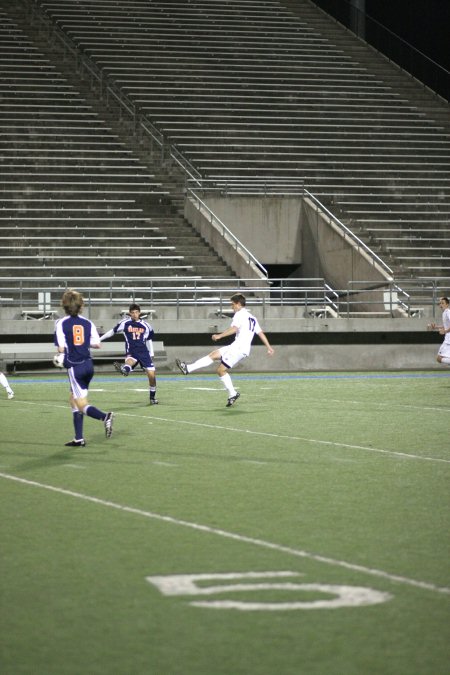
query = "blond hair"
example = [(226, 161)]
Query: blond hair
[(72, 302)]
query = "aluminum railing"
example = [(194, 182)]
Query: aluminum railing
[(196, 185), (396, 298), (348, 235), (265, 187), (216, 223)]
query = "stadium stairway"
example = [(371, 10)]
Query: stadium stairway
[(278, 89), (76, 200)]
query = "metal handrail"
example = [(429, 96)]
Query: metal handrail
[(257, 186), (401, 294), (141, 121), (227, 234), (263, 187), (347, 233)]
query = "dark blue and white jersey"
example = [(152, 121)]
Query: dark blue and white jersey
[(138, 337), (75, 334)]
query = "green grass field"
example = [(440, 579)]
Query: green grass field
[(316, 512)]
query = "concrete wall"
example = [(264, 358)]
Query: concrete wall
[(292, 230), (235, 257), (310, 345), (332, 255), (268, 226), (198, 320), (309, 358)]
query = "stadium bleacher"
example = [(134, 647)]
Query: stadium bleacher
[(244, 91), (76, 201), (249, 88)]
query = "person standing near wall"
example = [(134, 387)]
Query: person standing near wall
[(443, 355)]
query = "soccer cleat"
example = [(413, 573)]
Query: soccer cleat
[(10, 394), (182, 366), (120, 368), (232, 400), (108, 422), (154, 401), (76, 444)]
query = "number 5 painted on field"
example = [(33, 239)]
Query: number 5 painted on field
[(343, 596)]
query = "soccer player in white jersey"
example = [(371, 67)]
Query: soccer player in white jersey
[(443, 355), (4, 382), (244, 326)]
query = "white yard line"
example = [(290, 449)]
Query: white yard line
[(372, 405), (218, 389), (304, 439), (164, 464), (285, 437), (236, 537)]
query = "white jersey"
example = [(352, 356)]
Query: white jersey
[(446, 324), (246, 326)]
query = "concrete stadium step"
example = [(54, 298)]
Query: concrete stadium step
[(313, 81), (65, 269)]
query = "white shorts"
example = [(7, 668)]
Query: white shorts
[(444, 349), (230, 356)]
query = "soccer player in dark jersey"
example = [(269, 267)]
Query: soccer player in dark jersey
[(74, 337), (139, 337)]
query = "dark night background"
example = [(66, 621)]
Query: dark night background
[(422, 24), (425, 24)]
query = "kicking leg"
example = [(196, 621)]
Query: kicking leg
[(205, 361)]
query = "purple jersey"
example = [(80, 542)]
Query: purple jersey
[(136, 334), (75, 334)]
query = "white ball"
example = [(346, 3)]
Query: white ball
[(58, 360)]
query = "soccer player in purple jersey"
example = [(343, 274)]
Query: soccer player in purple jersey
[(74, 337), (244, 327), (139, 337)]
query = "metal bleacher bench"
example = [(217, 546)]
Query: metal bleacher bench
[(321, 312), (13, 354), (38, 314), (145, 313)]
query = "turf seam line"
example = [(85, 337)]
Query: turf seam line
[(295, 438), (232, 535), (336, 444)]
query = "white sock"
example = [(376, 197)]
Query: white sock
[(4, 382), (228, 384), (200, 363), (446, 359)]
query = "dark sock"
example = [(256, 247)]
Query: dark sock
[(78, 425), (92, 411)]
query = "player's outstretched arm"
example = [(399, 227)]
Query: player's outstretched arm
[(219, 336), (262, 336), (107, 335)]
